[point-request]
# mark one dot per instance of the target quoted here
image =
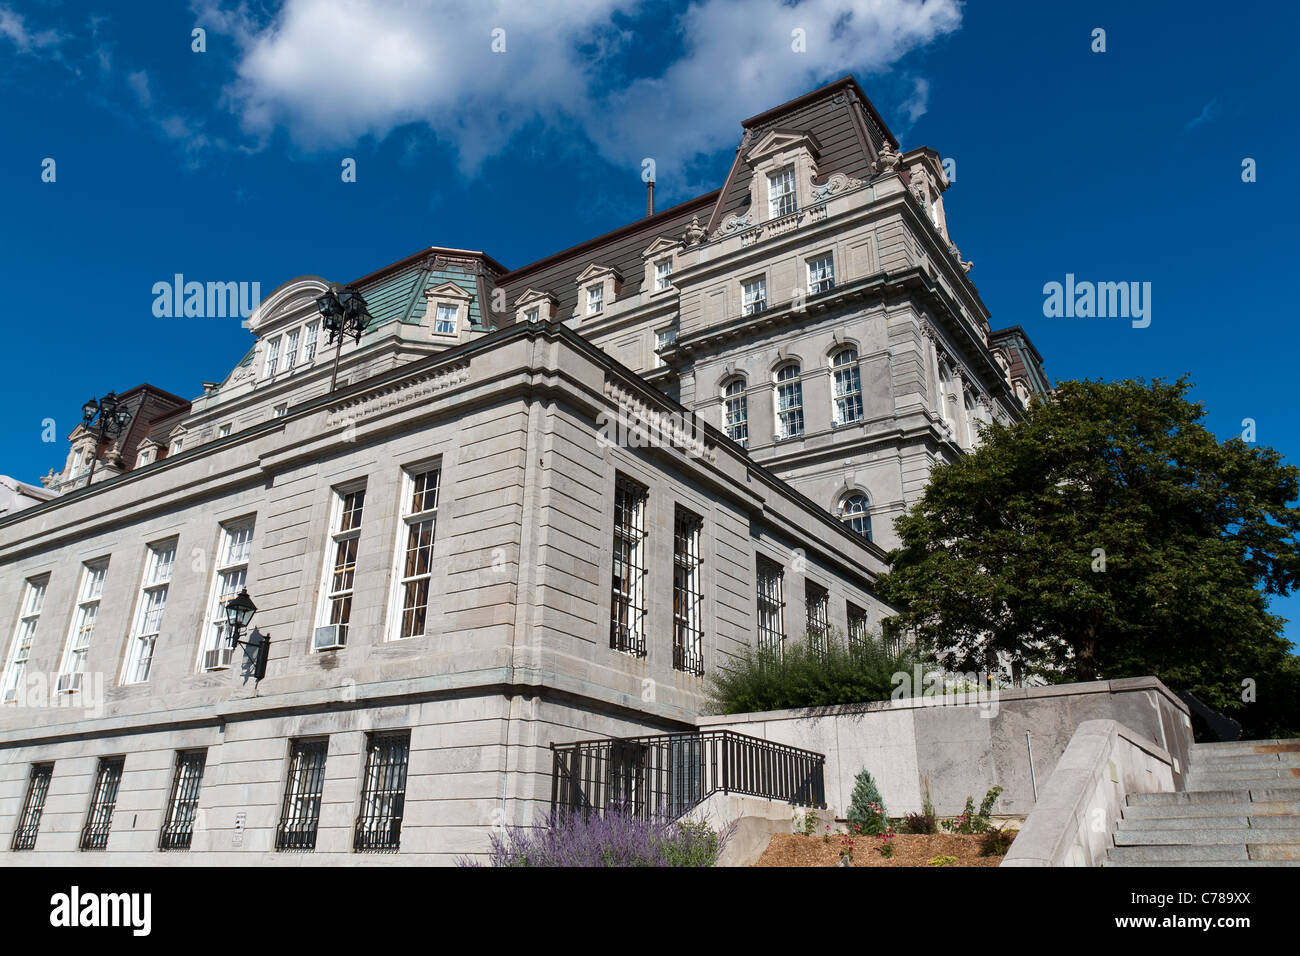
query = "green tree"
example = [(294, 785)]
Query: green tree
[(1107, 534), (866, 808)]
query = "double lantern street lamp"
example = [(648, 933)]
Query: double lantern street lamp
[(343, 312), (239, 613), (106, 418)]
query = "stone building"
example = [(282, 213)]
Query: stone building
[(536, 506)]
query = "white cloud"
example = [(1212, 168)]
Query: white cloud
[(1208, 112), (915, 106), (331, 71), (139, 84), (14, 28)]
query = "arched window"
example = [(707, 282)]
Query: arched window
[(847, 392), (789, 402), (855, 512), (735, 411)]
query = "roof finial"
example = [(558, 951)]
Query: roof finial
[(650, 198)]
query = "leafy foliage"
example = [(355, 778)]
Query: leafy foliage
[(611, 839), (809, 673), (997, 842), (866, 808), (1110, 534), (971, 820), (920, 823)]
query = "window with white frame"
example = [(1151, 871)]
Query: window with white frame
[(688, 632), (89, 592), (415, 549), (735, 406), (349, 506), (280, 409), (847, 387), (754, 295), (534, 314), (856, 514), (664, 339), (309, 342), (817, 601), (821, 274), (780, 193), (769, 582), (663, 274), (628, 607), (223, 430), (272, 357), (444, 318), (291, 348), (789, 402), (229, 577), (29, 614), (159, 560), (595, 298), (176, 446)]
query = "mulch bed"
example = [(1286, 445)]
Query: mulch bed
[(910, 849)]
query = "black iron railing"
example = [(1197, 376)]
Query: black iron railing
[(668, 774)]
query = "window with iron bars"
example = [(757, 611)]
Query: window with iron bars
[(818, 600), (383, 796), (29, 823), (300, 814), (99, 818), (688, 654), (627, 617), (771, 606), (857, 635), (183, 807)]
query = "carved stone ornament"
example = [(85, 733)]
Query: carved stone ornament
[(835, 183), (694, 232), (889, 160)]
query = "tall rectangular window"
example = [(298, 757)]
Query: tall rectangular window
[(857, 636), (736, 412), (29, 822), (309, 342), (595, 299), (383, 794), (90, 591), (444, 321), (821, 274), (627, 622), (229, 578), (780, 193), (847, 387), (688, 654), (99, 818), (789, 402), (29, 613), (754, 295), (148, 619), (415, 570), (771, 605), (817, 600), (300, 814), (183, 806), (272, 357), (342, 570), (663, 274), (291, 348)]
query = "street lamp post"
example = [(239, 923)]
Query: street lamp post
[(344, 312), (104, 418)]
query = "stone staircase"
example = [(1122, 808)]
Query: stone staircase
[(1241, 808)]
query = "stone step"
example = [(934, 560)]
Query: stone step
[(1182, 811), (1210, 823), (1179, 854), (1199, 863), (1210, 796), (1245, 762), (1153, 833), (1246, 747), (1241, 782)]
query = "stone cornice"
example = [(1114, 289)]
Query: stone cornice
[(396, 394)]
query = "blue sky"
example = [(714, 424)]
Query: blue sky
[(224, 165)]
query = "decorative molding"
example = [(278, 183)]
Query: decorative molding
[(656, 427), (835, 183), (397, 395)]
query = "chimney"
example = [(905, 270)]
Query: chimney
[(650, 198)]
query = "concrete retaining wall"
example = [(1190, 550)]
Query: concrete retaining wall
[(1081, 800), (963, 750)]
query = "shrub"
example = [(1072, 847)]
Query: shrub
[(866, 808), (807, 825), (972, 821), (612, 839), (997, 842), (942, 861), (920, 823), (812, 673)]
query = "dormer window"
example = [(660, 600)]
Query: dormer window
[(595, 299), (223, 430), (536, 306), (781, 199), (272, 357), (663, 274), (444, 320), (754, 295), (291, 349), (533, 315), (176, 446)]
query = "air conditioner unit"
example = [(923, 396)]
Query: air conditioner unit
[(69, 683), (217, 659), (329, 637)]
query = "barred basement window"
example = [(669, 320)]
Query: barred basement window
[(771, 605), (857, 628), (300, 815), (627, 620), (99, 818), (383, 797), (29, 823), (737, 412), (817, 600), (182, 808), (687, 632), (416, 570)]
